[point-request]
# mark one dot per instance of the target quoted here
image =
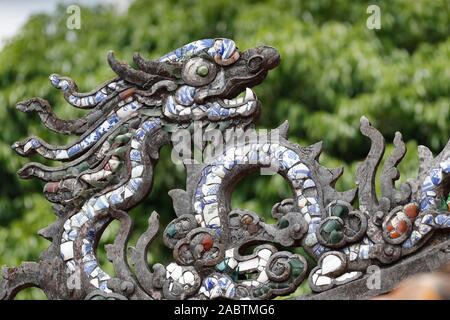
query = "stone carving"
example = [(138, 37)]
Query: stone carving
[(110, 169)]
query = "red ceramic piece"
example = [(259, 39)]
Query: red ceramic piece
[(207, 242), (411, 210), (401, 227)]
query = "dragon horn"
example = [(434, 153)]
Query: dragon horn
[(165, 69), (137, 77)]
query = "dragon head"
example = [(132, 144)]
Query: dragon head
[(207, 79)]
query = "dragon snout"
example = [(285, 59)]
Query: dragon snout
[(262, 58), (272, 57)]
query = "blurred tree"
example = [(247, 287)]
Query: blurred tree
[(334, 69)]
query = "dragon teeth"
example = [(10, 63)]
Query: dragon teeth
[(249, 95)]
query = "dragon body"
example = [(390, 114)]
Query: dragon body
[(110, 169)]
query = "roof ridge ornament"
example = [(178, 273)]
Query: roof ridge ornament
[(110, 168)]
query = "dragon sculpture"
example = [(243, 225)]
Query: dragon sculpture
[(219, 252)]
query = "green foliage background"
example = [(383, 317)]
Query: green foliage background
[(334, 70)]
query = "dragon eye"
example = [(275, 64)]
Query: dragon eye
[(198, 72), (202, 71)]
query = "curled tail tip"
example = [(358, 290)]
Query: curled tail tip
[(398, 137), (110, 56), (33, 104), (23, 106), (60, 82), (54, 79), (18, 148), (154, 216), (27, 147), (364, 121), (25, 172)]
